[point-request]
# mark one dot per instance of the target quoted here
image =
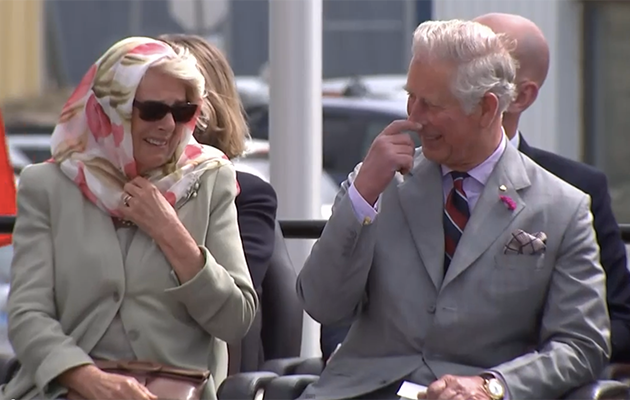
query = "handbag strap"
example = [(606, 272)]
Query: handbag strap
[(151, 367)]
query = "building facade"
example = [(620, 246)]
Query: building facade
[(21, 33)]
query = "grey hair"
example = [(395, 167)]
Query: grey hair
[(482, 57)]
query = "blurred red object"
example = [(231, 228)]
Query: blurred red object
[(7, 183)]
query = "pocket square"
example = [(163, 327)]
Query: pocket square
[(522, 242)]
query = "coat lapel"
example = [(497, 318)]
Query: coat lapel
[(421, 199), (491, 217), (99, 225)]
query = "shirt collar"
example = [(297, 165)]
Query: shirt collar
[(482, 172), (516, 140)]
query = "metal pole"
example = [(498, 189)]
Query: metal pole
[(295, 61), (199, 20), (135, 18), (410, 23)]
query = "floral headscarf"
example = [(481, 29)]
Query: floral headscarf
[(92, 141)]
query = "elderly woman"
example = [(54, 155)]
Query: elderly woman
[(222, 124), (127, 245)]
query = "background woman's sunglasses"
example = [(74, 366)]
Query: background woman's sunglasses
[(156, 110)]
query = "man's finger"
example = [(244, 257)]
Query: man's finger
[(72, 395), (148, 393), (404, 138), (403, 149), (400, 126), (404, 163), (435, 388)]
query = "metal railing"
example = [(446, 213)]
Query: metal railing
[(291, 229)]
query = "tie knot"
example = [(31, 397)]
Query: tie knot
[(456, 175), (458, 180)]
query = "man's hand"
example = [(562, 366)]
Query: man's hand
[(391, 152), (451, 387)]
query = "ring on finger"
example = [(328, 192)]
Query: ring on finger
[(126, 200)]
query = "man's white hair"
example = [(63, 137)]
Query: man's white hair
[(482, 58)]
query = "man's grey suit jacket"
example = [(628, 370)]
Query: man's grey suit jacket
[(539, 321)]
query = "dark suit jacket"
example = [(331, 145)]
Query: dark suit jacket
[(612, 249), (256, 205)]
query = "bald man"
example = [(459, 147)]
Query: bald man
[(532, 54)]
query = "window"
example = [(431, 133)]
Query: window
[(339, 139), (607, 96), (258, 121)]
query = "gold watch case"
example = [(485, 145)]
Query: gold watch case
[(494, 388)]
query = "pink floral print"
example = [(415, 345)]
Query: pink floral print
[(92, 139)]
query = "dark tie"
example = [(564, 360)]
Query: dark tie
[(456, 215)]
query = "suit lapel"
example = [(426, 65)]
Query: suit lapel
[(491, 217), (421, 199)]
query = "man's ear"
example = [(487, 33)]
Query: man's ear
[(489, 107), (527, 92)]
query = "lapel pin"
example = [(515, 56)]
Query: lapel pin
[(502, 188)]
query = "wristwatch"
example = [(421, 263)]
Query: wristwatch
[(493, 387)]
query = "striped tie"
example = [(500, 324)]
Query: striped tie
[(456, 215)]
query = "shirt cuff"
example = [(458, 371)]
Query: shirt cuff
[(364, 212)]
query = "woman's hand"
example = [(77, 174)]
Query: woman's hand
[(116, 387), (145, 206), (90, 383)]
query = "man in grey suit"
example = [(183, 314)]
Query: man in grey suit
[(469, 268)]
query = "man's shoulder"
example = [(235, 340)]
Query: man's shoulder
[(551, 192), (583, 176), (254, 189), (547, 186), (252, 184)]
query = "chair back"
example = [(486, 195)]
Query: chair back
[(277, 329)]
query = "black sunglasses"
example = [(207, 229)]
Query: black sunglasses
[(156, 110)]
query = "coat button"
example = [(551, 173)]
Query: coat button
[(431, 309), (133, 335)]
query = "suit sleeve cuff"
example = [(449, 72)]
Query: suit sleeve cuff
[(207, 279), (58, 362), (364, 212)]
